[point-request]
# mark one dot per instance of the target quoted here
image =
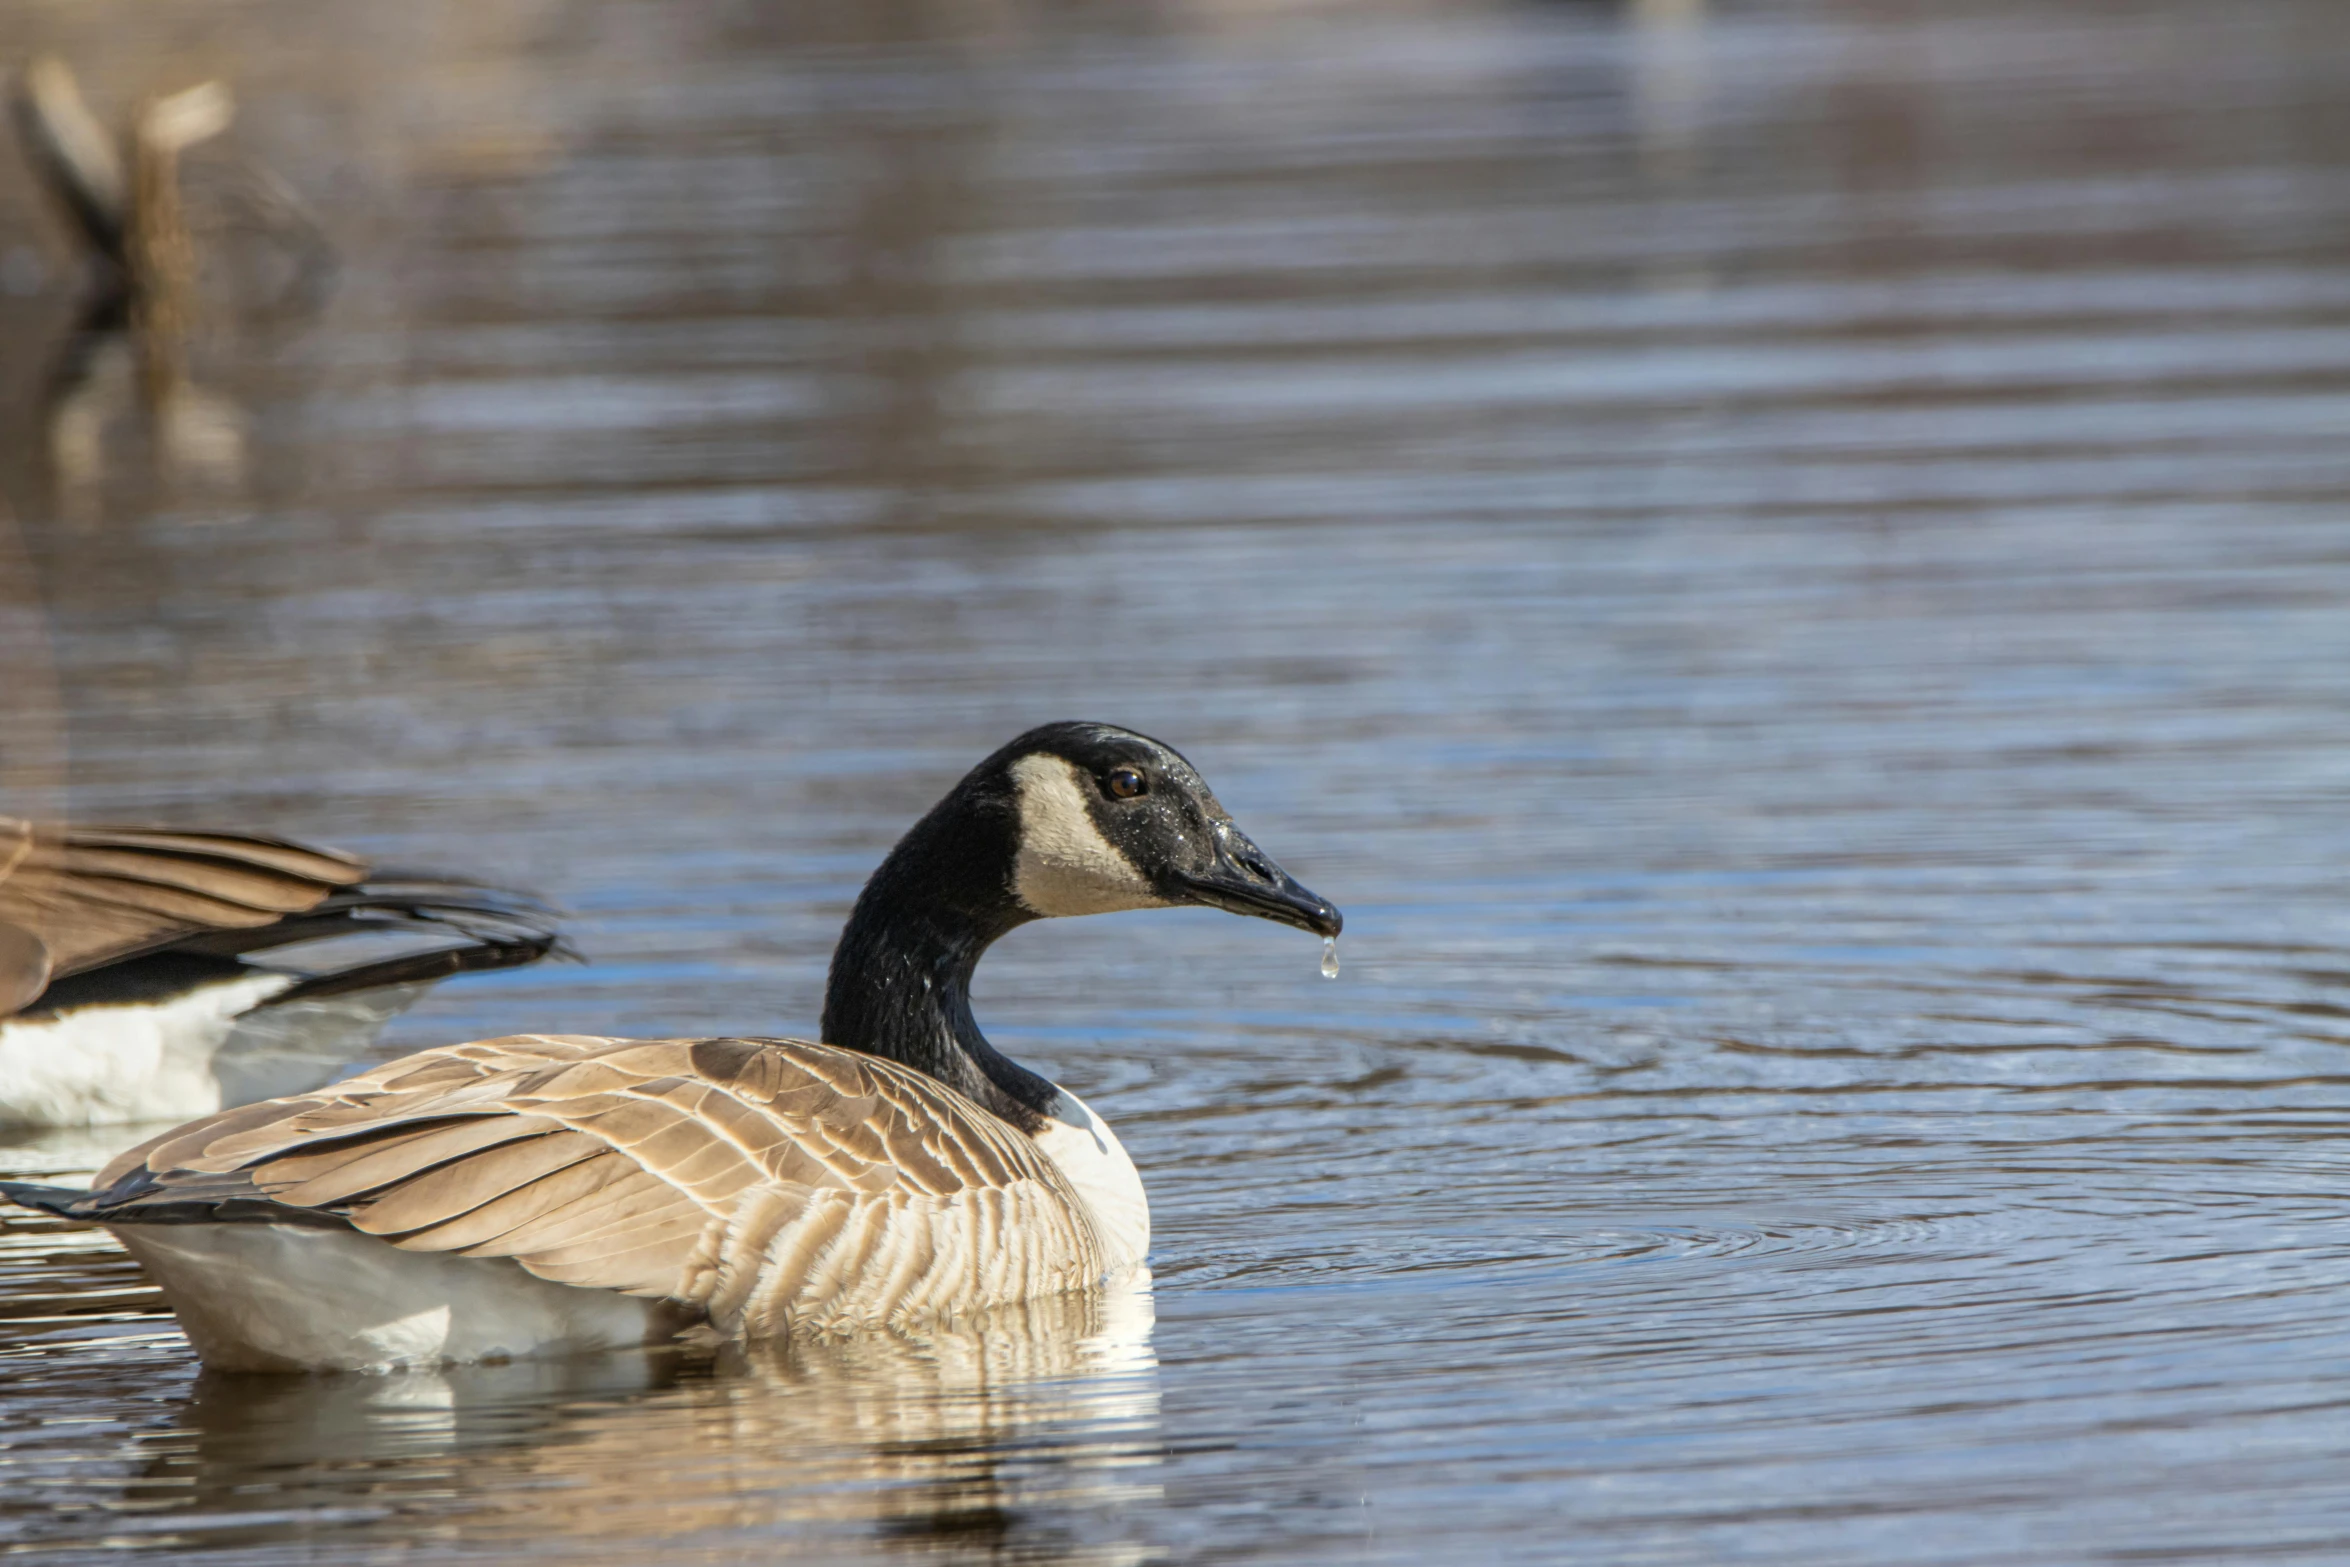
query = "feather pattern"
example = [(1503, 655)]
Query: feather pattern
[(92, 894), (72, 898), (767, 1186)]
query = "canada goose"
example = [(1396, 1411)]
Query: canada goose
[(124, 994), (545, 1194)]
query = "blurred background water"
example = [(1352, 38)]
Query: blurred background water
[(1786, 561)]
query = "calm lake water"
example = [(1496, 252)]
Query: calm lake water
[(1788, 564)]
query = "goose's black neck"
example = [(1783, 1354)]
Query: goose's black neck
[(900, 984)]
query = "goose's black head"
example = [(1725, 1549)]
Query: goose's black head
[(1070, 818), (1107, 819)]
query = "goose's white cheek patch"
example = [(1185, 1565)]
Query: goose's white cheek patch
[(1066, 866)]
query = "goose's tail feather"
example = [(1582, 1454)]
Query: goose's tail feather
[(224, 1200), (498, 929), (58, 1200)]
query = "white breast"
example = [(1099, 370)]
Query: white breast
[(1089, 1154)]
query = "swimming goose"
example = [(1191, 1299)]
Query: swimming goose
[(124, 990), (546, 1194)]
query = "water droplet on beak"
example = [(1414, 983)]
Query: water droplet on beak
[(1329, 957)]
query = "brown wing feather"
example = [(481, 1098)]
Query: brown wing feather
[(253, 1131), (72, 898), (484, 1153), (601, 1195), (770, 1184), (24, 968)]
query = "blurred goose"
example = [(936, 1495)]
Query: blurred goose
[(547, 1194), (125, 994)]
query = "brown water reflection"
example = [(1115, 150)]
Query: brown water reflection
[(951, 1440), (1788, 563)]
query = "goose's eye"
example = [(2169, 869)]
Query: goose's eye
[(1127, 783)]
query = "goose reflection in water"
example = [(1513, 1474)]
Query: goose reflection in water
[(1000, 1433)]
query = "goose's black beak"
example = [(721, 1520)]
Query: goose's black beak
[(1242, 879)]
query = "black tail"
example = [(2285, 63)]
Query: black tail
[(47, 1199), (503, 930), (500, 929), (139, 1199)]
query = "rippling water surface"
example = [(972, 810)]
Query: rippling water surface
[(1787, 563)]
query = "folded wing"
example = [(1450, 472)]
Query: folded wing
[(772, 1186)]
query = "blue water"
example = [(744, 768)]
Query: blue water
[(1788, 564)]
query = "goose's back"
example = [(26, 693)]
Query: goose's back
[(767, 1185)]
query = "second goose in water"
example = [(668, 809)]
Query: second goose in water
[(542, 1194), (134, 984)]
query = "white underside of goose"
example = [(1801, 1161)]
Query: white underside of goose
[(339, 1300), (336, 1300), (173, 1060)]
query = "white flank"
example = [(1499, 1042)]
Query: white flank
[(99, 1065), (282, 1297), (1065, 865), (1089, 1153), (175, 1060)]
